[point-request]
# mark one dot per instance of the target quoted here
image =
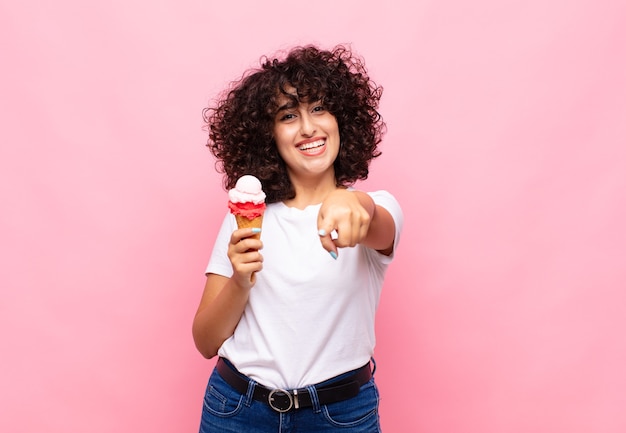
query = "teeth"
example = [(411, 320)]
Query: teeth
[(311, 145)]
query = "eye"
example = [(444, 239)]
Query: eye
[(287, 116), (318, 108)]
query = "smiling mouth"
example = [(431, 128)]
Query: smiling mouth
[(312, 145)]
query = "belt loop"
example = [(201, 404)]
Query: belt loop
[(314, 398), (374, 363), (250, 393)]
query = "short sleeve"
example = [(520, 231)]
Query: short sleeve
[(219, 263)]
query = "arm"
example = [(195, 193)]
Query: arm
[(224, 299), (382, 229), (357, 220)]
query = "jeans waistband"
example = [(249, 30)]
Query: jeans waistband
[(282, 400)]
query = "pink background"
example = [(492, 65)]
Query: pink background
[(504, 311)]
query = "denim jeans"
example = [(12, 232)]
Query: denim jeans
[(227, 411)]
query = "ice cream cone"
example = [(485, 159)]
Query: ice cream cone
[(245, 222), (246, 202)]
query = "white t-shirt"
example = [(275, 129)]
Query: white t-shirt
[(309, 317)]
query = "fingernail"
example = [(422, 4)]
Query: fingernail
[(333, 255), (321, 232), (256, 230)]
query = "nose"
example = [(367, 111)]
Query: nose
[(307, 125)]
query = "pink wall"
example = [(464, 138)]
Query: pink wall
[(504, 310)]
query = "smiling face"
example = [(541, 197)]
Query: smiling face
[(307, 138)]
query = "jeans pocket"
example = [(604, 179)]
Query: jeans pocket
[(220, 399), (356, 411)]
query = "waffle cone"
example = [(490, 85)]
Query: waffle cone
[(243, 222)]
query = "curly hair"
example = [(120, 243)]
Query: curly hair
[(241, 124)]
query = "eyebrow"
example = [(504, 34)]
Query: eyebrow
[(293, 104), (289, 105)]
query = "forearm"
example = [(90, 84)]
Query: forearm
[(381, 232), (221, 308)]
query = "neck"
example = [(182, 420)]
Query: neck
[(311, 192)]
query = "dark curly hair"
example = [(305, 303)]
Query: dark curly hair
[(241, 124)]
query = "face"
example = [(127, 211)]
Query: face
[(307, 137)]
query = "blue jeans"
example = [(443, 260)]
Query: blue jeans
[(227, 411)]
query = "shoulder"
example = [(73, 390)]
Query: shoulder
[(388, 201)]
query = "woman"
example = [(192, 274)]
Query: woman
[(291, 316)]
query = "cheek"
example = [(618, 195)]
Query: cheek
[(282, 145), (280, 138), (335, 133), (331, 125)]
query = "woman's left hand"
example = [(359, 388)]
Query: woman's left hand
[(347, 213)]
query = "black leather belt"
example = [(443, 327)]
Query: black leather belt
[(282, 400)]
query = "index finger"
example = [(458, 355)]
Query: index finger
[(249, 232)]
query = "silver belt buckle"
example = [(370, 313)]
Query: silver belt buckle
[(271, 400)]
